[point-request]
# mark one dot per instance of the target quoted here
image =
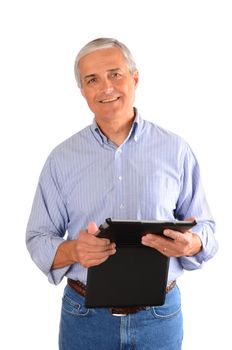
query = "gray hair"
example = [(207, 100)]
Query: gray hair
[(103, 43)]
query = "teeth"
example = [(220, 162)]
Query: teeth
[(109, 100)]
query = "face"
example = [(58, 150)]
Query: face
[(107, 84)]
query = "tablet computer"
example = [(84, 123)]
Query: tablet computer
[(135, 274), (124, 232)]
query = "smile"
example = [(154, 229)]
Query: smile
[(109, 100)]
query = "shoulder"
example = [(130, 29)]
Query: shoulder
[(74, 141), (69, 152), (162, 135), (162, 143), (73, 144)]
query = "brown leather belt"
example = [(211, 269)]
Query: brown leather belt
[(80, 288)]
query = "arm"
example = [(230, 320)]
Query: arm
[(48, 222), (196, 246), (47, 226)]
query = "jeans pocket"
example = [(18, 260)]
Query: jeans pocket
[(73, 307), (171, 307)]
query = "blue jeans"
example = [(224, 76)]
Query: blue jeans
[(156, 328)]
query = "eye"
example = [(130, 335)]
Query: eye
[(115, 75), (91, 81)]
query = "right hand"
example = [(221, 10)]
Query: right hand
[(90, 250)]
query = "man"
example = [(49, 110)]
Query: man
[(123, 167)]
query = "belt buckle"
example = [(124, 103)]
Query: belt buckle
[(116, 314)]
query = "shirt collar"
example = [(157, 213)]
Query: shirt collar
[(134, 133)]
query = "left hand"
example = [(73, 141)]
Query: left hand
[(176, 244)]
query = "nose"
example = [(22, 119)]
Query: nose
[(106, 86)]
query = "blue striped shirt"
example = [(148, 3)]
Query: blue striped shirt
[(153, 175)]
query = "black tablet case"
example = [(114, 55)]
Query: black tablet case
[(135, 274)]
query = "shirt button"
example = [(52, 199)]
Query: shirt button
[(120, 178), (122, 206)]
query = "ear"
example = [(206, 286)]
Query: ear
[(135, 76), (82, 92)]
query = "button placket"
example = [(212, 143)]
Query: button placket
[(119, 177)]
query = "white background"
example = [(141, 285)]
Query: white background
[(183, 53)]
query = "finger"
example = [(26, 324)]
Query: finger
[(192, 218), (89, 239), (100, 255), (175, 235), (96, 258), (92, 228), (102, 249), (94, 262), (152, 240)]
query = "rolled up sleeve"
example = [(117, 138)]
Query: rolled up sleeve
[(47, 223), (192, 202)]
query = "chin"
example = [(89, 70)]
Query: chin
[(111, 112)]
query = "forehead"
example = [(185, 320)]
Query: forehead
[(102, 60)]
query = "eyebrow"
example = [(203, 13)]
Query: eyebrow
[(89, 76)]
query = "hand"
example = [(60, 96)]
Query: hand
[(90, 250), (176, 244)]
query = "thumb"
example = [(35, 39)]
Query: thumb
[(192, 218), (92, 228)]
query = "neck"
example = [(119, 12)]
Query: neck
[(116, 130)]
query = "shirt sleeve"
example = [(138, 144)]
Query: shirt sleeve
[(192, 202), (47, 223)]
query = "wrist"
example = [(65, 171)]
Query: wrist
[(196, 245), (65, 254)]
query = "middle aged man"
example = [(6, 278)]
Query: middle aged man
[(123, 167)]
